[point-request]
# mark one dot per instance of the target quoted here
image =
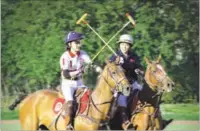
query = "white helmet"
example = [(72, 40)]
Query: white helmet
[(126, 38)]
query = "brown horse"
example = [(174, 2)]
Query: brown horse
[(143, 106), (35, 111)]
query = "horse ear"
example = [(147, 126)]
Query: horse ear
[(147, 60), (159, 59)]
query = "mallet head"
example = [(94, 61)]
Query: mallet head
[(131, 19), (82, 19)]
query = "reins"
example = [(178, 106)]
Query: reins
[(114, 91), (158, 93), (137, 110)]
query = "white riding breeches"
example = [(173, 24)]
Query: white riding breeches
[(122, 100), (68, 87)]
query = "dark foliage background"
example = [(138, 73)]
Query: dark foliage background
[(32, 34)]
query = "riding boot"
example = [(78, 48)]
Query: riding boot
[(68, 114), (126, 123)]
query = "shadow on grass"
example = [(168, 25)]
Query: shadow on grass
[(166, 122)]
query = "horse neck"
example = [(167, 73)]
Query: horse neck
[(147, 78), (146, 95), (101, 94)]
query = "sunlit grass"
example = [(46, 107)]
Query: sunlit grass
[(180, 111), (169, 111), (9, 115)]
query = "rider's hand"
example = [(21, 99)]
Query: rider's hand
[(119, 60), (79, 72), (87, 67), (138, 71), (98, 69)]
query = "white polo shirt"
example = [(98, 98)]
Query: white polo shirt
[(73, 62)]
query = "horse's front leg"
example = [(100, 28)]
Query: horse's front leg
[(158, 123), (140, 121), (82, 123), (62, 123)]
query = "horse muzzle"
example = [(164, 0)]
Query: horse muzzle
[(169, 85)]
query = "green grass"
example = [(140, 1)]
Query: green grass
[(180, 111), (186, 127), (169, 111), (9, 115), (172, 127)]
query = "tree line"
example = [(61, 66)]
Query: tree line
[(32, 36)]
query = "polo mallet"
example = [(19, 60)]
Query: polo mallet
[(131, 20), (82, 19)]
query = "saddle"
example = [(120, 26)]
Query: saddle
[(81, 101)]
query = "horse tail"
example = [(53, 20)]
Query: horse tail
[(17, 101)]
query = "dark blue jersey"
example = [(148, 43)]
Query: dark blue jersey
[(131, 63)]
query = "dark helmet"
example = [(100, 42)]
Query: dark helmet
[(72, 36)]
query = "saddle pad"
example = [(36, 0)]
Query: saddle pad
[(84, 100), (58, 104)]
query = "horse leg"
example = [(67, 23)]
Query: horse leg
[(81, 123), (141, 121), (65, 119), (28, 119), (62, 122), (158, 123)]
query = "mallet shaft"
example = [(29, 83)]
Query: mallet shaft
[(101, 39), (111, 40)]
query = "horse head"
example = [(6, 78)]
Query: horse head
[(156, 76), (114, 75)]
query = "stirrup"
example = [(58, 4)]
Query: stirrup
[(69, 127), (126, 125)]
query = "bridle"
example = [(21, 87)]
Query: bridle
[(118, 82), (114, 90), (159, 80), (158, 94)]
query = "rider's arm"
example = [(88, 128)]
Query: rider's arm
[(66, 73), (89, 63), (64, 65), (113, 58), (138, 64), (85, 57)]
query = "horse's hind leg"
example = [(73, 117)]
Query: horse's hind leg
[(28, 119), (29, 123)]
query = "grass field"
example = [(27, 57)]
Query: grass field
[(169, 111), (174, 126), (185, 117), (180, 111)]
